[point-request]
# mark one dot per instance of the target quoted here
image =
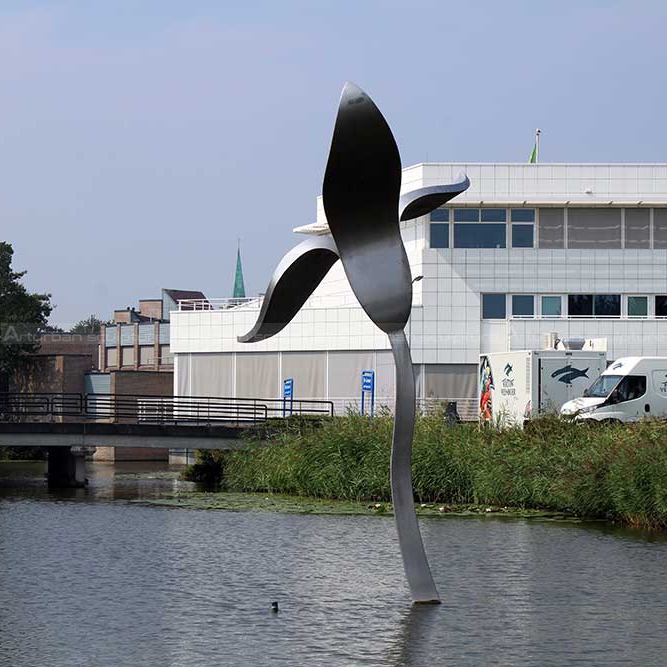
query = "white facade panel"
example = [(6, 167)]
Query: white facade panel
[(448, 324)]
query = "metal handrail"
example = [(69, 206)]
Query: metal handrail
[(147, 408), (195, 409), (40, 403)]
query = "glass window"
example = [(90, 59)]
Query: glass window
[(523, 305), (602, 387), (551, 306), (594, 228), (479, 236), (523, 215), (112, 357), (659, 228), (661, 305), (466, 215), (637, 306), (551, 228), (493, 307), (127, 356), (628, 389), (522, 236), (439, 235), (494, 215), (440, 215), (637, 228), (580, 305), (607, 305)]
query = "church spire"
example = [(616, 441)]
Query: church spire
[(239, 287)]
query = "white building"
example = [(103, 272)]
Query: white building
[(527, 250)]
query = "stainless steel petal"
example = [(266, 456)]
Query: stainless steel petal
[(297, 275), (361, 191), (420, 202)]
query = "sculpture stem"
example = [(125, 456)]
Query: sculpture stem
[(416, 566)]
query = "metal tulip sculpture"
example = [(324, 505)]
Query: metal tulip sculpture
[(363, 206)]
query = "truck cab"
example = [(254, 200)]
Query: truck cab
[(631, 389)]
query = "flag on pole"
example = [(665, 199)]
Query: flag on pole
[(535, 155)]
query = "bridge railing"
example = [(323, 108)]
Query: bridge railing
[(131, 408), (171, 409), (16, 405), (196, 409)]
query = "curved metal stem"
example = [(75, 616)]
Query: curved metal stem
[(415, 563)]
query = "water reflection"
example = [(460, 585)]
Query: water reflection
[(87, 578), (411, 646)]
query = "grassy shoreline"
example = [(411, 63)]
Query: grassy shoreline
[(617, 473)]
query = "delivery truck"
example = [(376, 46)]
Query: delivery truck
[(516, 386), (631, 389)]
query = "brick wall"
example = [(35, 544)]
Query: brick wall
[(151, 308), (60, 373), (149, 383), (70, 344)]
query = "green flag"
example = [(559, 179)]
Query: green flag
[(239, 287), (533, 155)]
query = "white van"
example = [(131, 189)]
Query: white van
[(630, 389)]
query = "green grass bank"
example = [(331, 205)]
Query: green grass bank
[(615, 472)]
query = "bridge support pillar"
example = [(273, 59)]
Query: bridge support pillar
[(66, 466)]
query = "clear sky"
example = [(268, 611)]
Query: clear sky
[(139, 139)]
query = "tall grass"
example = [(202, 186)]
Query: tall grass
[(618, 472)]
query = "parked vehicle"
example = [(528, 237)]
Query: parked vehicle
[(630, 389), (516, 386)]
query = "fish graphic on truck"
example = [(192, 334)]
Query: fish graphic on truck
[(567, 374)]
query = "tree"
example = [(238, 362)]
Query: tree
[(23, 315), (91, 325)]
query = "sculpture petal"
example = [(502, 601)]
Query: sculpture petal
[(361, 193), (297, 275), (420, 202)]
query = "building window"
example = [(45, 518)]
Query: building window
[(607, 305), (480, 228), (523, 215), (661, 305), (580, 305), (551, 228), (494, 215), (466, 215), (522, 227), (440, 215), (127, 356), (637, 306), (439, 235), (522, 236), (659, 228), (552, 306), (112, 357), (523, 305), (480, 236), (594, 228), (637, 228), (594, 305), (494, 307)]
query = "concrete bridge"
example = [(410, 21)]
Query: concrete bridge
[(69, 425)]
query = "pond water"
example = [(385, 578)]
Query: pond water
[(94, 578)]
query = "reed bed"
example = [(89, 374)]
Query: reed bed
[(618, 472)]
